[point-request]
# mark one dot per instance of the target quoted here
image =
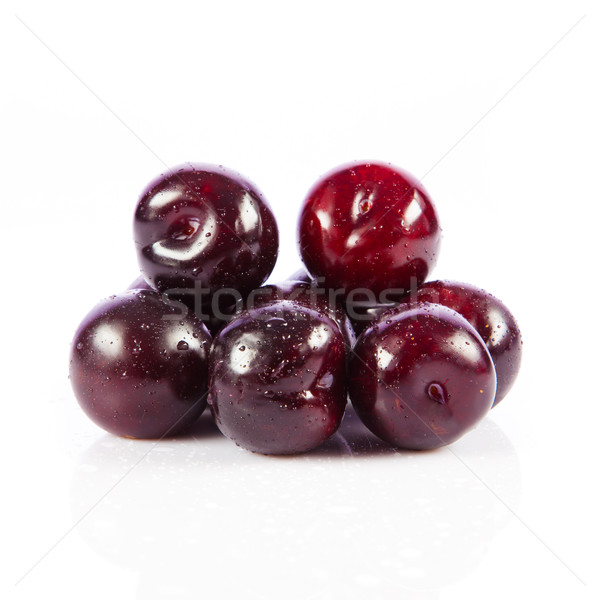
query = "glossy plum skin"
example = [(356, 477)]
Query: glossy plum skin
[(277, 379), (489, 316), (310, 296), (421, 377), (369, 225), (138, 372), (204, 226)]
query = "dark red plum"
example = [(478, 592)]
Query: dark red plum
[(204, 226), (277, 379), (139, 369), (489, 316), (368, 225), (421, 377)]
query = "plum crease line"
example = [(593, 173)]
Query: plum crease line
[(85, 514)]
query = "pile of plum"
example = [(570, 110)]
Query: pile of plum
[(276, 363)]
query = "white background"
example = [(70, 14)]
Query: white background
[(494, 105)]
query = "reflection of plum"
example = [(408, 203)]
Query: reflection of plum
[(353, 519), (158, 491)]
